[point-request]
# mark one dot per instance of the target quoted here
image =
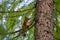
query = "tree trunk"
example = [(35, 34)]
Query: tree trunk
[(44, 20)]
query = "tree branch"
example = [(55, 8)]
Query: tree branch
[(18, 30), (16, 11)]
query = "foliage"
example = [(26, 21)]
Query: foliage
[(12, 15), (56, 19)]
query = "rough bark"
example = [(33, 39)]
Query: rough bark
[(44, 20)]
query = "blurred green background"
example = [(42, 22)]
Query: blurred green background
[(12, 15)]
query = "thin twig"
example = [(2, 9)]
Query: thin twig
[(24, 30)]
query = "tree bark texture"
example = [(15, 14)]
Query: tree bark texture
[(44, 20)]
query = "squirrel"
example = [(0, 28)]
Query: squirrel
[(27, 22)]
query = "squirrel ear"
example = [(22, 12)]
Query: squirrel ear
[(26, 17)]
